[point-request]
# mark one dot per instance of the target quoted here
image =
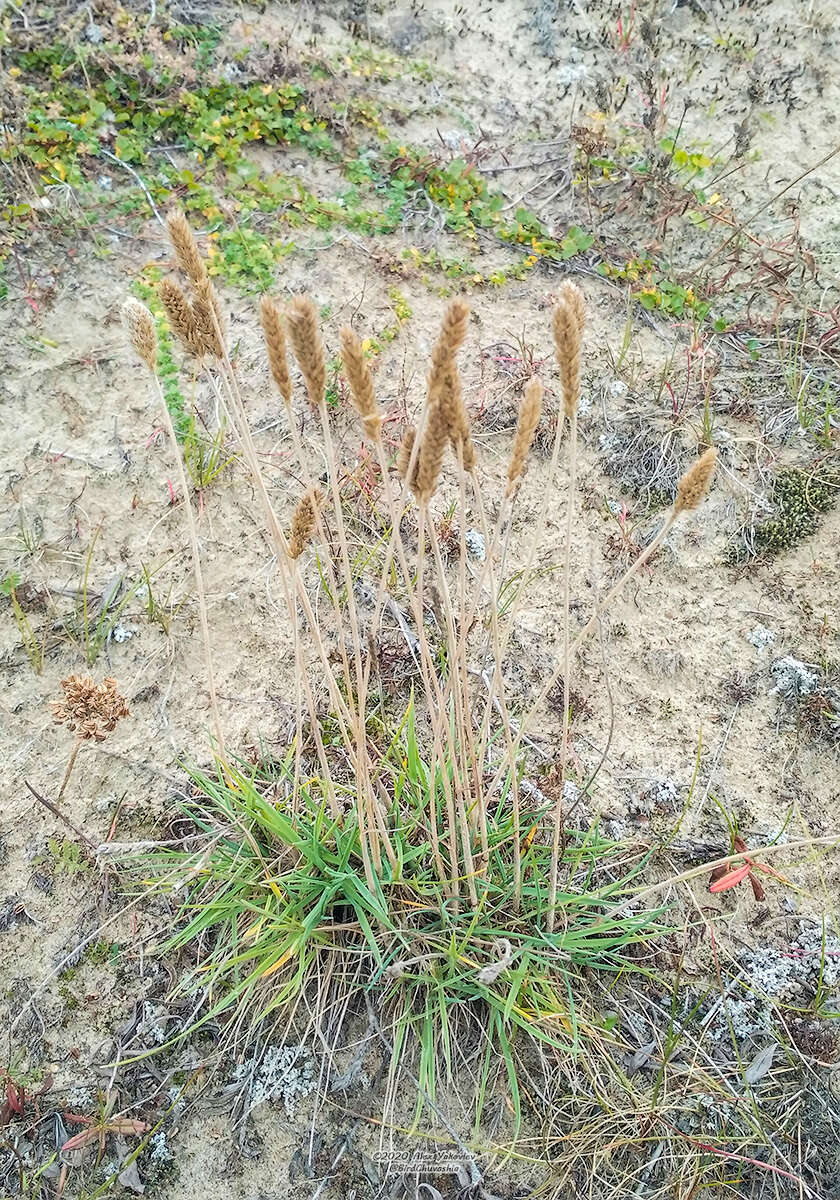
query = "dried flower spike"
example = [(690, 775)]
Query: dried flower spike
[(208, 320), (529, 416), (567, 323), (452, 401), (140, 326), (303, 522), (695, 482), (92, 708), (447, 419), (430, 456), (186, 247), (275, 344), (361, 383), (181, 317), (306, 342), (452, 333), (404, 453)]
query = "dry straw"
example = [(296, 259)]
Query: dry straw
[(526, 425), (361, 383), (275, 344), (303, 522), (309, 350)]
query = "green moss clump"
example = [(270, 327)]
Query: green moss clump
[(799, 498)]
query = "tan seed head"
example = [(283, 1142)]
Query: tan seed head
[(303, 522), (404, 453), (181, 317), (529, 416), (361, 383), (275, 344), (140, 326), (305, 336), (430, 456), (567, 323), (186, 247), (695, 482), (207, 315)]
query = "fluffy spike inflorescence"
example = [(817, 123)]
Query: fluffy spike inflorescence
[(200, 324), (140, 326), (186, 247), (303, 522), (181, 316), (208, 318), (695, 482), (361, 383), (404, 452), (306, 341), (447, 418), (456, 414), (567, 323), (275, 344), (529, 416)]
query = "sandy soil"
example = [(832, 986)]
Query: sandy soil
[(677, 676)]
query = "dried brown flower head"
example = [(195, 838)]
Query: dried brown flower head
[(208, 318), (303, 522), (529, 416), (302, 318), (275, 344), (361, 383), (404, 452), (447, 419), (430, 456), (140, 326), (452, 401), (186, 247), (695, 482), (89, 707), (181, 317), (567, 322)]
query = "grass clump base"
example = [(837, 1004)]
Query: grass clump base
[(396, 859)]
